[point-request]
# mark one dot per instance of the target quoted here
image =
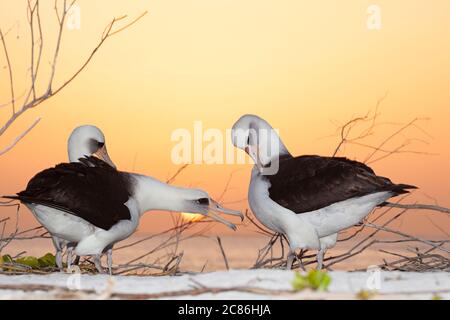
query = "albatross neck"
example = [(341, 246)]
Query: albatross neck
[(152, 194)]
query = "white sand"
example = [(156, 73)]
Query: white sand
[(264, 284)]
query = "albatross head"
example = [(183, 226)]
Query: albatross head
[(152, 194), (260, 141), (198, 201), (88, 140)]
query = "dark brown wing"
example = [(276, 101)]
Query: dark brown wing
[(308, 183), (90, 189)]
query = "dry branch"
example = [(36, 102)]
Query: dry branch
[(19, 137), (32, 98), (11, 81), (417, 206), (219, 241)]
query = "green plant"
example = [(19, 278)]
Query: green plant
[(6, 259), (315, 279), (28, 261), (47, 260)]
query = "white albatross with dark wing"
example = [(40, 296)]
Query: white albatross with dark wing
[(309, 199), (92, 204), (84, 141)]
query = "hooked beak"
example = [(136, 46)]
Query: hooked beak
[(255, 156), (102, 153), (215, 207)]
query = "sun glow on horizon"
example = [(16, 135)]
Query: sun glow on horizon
[(192, 217)]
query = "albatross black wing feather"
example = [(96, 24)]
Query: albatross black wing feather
[(308, 183), (90, 189)]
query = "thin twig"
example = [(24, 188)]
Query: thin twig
[(19, 137), (219, 241), (11, 82), (417, 206)]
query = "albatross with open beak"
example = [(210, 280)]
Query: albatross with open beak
[(307, 198), (91, 204)]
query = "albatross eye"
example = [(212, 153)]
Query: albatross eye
[(95, 145), (203, 201)]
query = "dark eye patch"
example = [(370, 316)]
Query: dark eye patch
[(203, 201), (94, 145)]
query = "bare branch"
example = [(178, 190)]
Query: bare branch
[(106, 34), (417, 206), (181, 169), (129, 24), (19, 137), (11, 82), (428, 242), (58, 43), (32, 98), (345, 130), (219, 241), (390, 137)]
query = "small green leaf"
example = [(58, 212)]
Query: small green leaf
[(319, 280), (299, 283), (6, 259), (48, 260), (29, 261), (314, 279)]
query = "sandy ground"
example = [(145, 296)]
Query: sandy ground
[(234, 284), (215, 282)]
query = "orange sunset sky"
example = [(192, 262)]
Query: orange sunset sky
[(304, 66)]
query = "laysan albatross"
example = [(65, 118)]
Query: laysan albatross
[(92, 204), (85, 140), (307, 198)]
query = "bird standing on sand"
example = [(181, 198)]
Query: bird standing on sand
[(307, 198)]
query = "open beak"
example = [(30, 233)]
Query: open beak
[(215, 208), (102, 153)]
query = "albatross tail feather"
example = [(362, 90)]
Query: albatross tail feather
[(398, 189), (401, 188), (15, 197)]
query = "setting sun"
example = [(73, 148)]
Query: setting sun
[(192, 217)]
